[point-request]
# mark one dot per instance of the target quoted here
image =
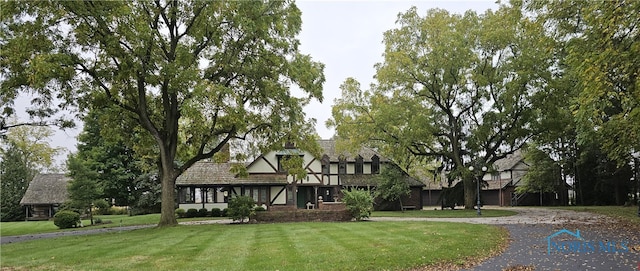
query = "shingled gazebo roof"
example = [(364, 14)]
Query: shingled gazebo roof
[(46, 189)]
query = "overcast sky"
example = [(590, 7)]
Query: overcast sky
[(347, 37)]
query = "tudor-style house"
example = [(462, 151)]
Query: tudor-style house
[(210, 184)]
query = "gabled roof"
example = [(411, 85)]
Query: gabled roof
[(46, 189), (509, 162), (328, 147), (207, 173)]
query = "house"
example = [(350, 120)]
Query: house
[(500, 189), (501, 182), (210, 185), (45, 194)]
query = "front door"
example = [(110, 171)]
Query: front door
[(305, 195)]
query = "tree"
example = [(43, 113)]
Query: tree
[(391, 185), (14, 180), (543, 174), (454, 88), (115, 164), (194, 75), (600, 44), (83, 189), (25, 152)]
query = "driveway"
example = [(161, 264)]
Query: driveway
[(604, 244)]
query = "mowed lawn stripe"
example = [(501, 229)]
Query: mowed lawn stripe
[(286, 246)]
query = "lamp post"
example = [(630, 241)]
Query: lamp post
[(636, 163), (484, 169)]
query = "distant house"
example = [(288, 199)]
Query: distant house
[(46, 192), (502, 181), (210, 185), (506, 176)]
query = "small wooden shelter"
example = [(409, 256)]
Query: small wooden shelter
[(45, 194)]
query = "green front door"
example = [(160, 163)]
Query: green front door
[(305, 195)]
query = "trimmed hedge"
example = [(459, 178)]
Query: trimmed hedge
[(66, 219), (301, 216)]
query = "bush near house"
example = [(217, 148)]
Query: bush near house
[(192, 212), (203, 212), (181, 213), (241, 208), (66, 219), (359, 203), (216, 212)]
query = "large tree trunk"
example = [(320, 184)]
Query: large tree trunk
[(469, 193), (168, 211)]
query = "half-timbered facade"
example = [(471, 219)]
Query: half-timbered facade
[(210, 185)]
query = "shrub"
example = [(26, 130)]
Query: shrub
[(216, 212), (102, 207), (241, 208), (225, 212), (202, 212), (359, 203), (191, 212), (66, 219), (181, 213), (97, 220), (259, 209)]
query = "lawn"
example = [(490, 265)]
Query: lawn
[(458, 213), (629, 214), (34, 227), (280, 246)]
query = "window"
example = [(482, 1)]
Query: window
[(326, 165), (342, 165), (187, 195), (259, 194), (375, 164), (359, 165), (280, 167)]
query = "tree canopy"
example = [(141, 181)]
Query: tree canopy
[(194, 75), (455, 88)]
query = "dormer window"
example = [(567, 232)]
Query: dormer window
[(326, 165), (375, 164), (359, 165), (342, 165)]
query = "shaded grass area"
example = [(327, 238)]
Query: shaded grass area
[(458, 213), (282, 246), (34, 227), (629, 213)]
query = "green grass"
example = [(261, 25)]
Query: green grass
[(34, 227), (460, 213), (620, 212), (281, 246)]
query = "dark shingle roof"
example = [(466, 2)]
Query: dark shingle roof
[(46, 189), (328, 147), (508, 162), (211, 173), (369, 180)]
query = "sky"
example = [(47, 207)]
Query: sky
[(344, 35)]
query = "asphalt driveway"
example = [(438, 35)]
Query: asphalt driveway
[(604, 244)]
